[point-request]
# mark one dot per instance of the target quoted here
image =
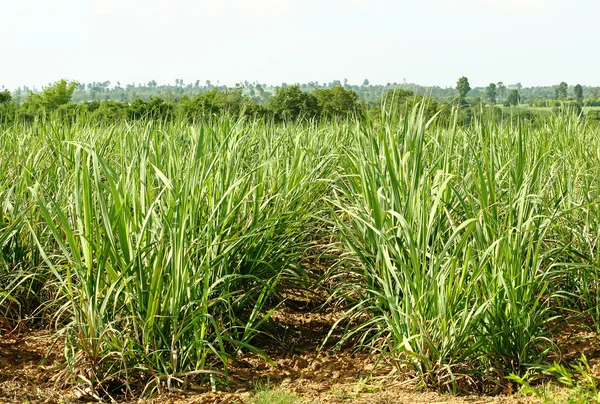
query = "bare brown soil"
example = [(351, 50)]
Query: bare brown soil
[(26, 370)]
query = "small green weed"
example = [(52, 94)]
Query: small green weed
[(276, 396), (579, 384)]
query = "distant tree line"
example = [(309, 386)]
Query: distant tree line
[(368, 93), (288, 102)]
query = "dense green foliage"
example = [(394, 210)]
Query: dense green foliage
[(159, 244), (463, 88), (288, 103), (513, 98), (491, 93)]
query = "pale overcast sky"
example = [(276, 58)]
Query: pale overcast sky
[(429, 42)]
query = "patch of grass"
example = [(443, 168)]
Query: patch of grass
[(343, 394), (352, 391), (577, 384), (276, 396)]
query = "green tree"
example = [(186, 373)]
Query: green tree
[(490, 93), (561, 91), (5, 97), (159, 109), (7, 107), (60, 93), (292, 103), (578, 90), (463, 88), (337, 101), (56, 97), (501, 89), (513, 98), (138, 109), (111, 111)]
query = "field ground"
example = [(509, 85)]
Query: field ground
[(27, 375), (29, 368)]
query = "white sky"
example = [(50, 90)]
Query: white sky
[(429, 42)]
